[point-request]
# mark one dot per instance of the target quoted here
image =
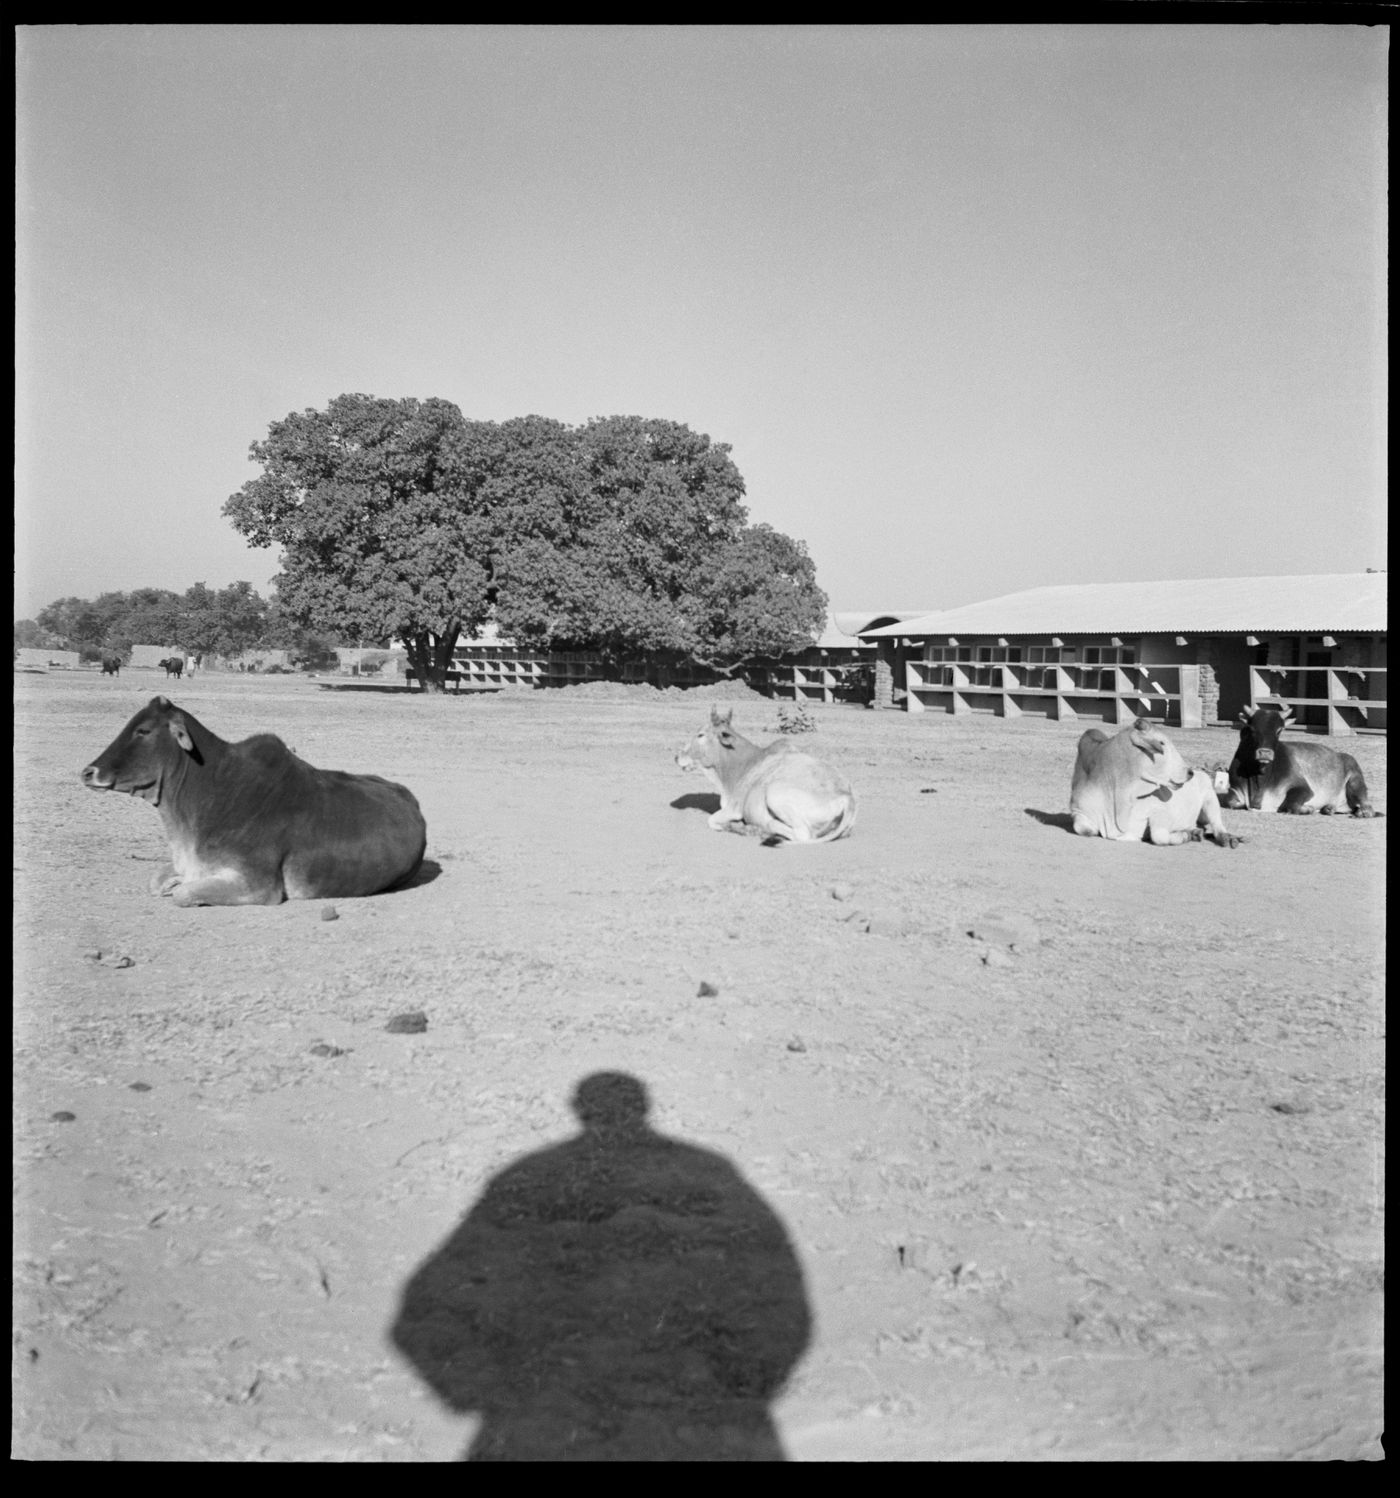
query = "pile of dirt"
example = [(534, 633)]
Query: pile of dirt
[(718, 691), (611, 691), (633, 691)]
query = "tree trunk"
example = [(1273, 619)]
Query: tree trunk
[(430, 656), (420, 661)]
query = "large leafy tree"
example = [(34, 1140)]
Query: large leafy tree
[(372, 533), (625, 536)]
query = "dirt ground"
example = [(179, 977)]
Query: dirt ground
[(1106, 1184)]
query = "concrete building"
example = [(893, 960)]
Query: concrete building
[(840, 666), (836, 667), (1187, 652)]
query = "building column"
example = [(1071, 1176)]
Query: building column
[(884, 675)]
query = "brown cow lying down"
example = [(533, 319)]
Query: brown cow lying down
[(775, 792), (1136, 785), (1269, 773), (250, 823)]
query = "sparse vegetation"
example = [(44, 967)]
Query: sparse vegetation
[(796, 719)]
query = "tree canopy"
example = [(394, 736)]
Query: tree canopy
[(371, 530), (626, 535), (203, 621)]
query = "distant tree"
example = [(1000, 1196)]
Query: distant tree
[(154, 616), (30, 635), (85, 624), (372, 533), (228, 622), (112, 610), (74, 621), (199, 630)]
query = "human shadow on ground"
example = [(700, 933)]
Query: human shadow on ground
[(1061, 819), (706, 801), (621, 1296)]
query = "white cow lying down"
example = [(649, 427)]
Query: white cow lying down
[(775, 792), (1135, 784)]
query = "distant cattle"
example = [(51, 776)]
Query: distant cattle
[(111, 665), (775, 792), (1134, 785), (173, 664), (1299, 778), (250, 823)]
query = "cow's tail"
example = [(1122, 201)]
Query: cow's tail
[(840, 825), (777, 831)]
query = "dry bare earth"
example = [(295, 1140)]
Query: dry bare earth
[(1112, 1195)]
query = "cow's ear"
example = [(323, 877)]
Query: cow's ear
[(181, 733), (721, 719)]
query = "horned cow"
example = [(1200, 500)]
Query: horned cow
[(1134, 784), (1299, 778), (774, 791)]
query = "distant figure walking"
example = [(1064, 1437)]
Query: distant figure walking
[(618, 1297)]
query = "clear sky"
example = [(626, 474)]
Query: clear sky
[(978, 308)]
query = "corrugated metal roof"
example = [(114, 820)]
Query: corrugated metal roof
[(1335, 601)]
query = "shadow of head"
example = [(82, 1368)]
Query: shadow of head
[(611, 1101), (620, 1295), (1061, 819), (705, 801)]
